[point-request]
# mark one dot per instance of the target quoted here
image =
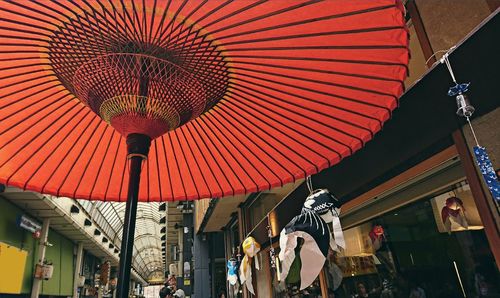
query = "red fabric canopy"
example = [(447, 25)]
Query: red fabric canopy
[(292, 87)]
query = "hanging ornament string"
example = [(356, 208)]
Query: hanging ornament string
[(448, 65), (465, 109), (272, 253), (274, 260), (473, 132), (309, 184)]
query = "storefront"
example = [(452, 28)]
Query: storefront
[(428, 235), (416, 214), (423, 234)]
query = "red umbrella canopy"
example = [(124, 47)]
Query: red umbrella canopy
[(238, 96)]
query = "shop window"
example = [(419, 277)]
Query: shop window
[(436, 245)]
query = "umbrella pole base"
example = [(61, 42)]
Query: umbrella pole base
[(138, 149)]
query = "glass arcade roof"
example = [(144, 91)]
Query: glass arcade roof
[(147, 257)]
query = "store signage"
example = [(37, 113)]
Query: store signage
[(28, 224), (486, 168)]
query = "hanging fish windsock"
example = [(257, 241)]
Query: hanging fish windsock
[(314, 231), (232, 270), (454, 212), (323, 203), (377, 236), (250, 250)]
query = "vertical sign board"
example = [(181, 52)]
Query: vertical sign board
[(12, 264)]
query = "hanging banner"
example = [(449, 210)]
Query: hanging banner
[(486, 168)]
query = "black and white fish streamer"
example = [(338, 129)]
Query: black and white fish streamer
[(323, 203), (310, 227), (320, 209)]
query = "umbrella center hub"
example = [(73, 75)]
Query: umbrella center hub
[(136, 93), (139, 87)]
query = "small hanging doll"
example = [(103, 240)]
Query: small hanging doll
[(454, 212), (232, 274), (250, 250)]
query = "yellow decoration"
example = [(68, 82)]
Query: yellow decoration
[(250, 249), (12, 264)]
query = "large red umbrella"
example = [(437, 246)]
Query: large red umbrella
[(222, 97)]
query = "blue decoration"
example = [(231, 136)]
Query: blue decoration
[(458, 89), (486, 168), (232, 266)]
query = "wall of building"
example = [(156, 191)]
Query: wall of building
[(200, 209), (61, 253), (448, 21), (11, 234), (61, 256)]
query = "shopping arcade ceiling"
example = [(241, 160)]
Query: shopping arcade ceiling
[(147, 257)]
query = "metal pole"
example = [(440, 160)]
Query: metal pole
[(138, 149), (78, 269), (42, 246)]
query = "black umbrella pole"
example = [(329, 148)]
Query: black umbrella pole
[(138, 149)]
